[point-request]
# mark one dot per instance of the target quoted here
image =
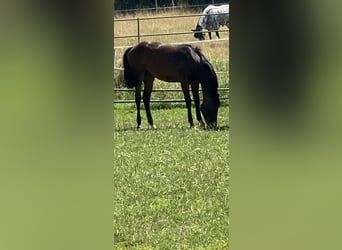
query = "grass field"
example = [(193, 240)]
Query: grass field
[(171, 183)]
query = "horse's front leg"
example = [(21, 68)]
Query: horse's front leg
[(148, 85), (195, 94), (218, 34), (137, 103), (185, 88), (209, 33)]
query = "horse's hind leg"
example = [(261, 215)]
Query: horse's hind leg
[(209, 33), (137, 103), (148, 85), (195, 94), (185, 88)]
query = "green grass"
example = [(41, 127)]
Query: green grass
[(170, 183)]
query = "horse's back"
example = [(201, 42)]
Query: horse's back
[(165, 51), (214, 16), (166, 62), (216, 9)]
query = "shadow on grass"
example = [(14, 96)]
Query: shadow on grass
[(149, 128)]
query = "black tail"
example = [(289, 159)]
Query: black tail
[(130, 76)]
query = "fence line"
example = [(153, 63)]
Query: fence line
[(161, 8), (218, 73), (162, 17), (138, 19), (167, 34), (162, 90), (187, 42), (165, 100), (157, 8)]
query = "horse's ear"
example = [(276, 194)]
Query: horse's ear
[(193, 30)]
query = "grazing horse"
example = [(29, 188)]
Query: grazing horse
[(172, 63), (212, 18)]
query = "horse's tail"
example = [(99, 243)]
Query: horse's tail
[(130, 76)]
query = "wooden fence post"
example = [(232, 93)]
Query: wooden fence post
[(114, 55)]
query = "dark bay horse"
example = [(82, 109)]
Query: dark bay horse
[(172, 63)]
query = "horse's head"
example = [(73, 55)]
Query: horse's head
[(198, 33), (209, 109)]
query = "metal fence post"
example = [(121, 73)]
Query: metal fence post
[(114, 59), (138, 20)]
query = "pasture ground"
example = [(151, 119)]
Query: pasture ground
[(170, 183)]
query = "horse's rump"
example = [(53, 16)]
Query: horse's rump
[(130, 75)]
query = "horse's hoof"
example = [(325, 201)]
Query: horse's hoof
[(139, 127), (153, 126)]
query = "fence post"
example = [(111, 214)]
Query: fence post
[(114, 59), (138, 20)]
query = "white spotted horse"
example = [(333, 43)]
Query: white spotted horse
[(212, 18)]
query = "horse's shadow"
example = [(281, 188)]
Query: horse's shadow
[(164, 128)]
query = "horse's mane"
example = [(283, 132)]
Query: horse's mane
[(205, 61), (209, 67), (198, 50)]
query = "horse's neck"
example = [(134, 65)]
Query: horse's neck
[(207, 86)]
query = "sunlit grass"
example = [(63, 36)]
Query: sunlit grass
[(171, 183)]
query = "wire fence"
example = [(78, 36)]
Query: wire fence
[(138, 35), (138, 20), (163, 100)]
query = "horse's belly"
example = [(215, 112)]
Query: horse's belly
[(168, 75), (169, 78), (172, 68)]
